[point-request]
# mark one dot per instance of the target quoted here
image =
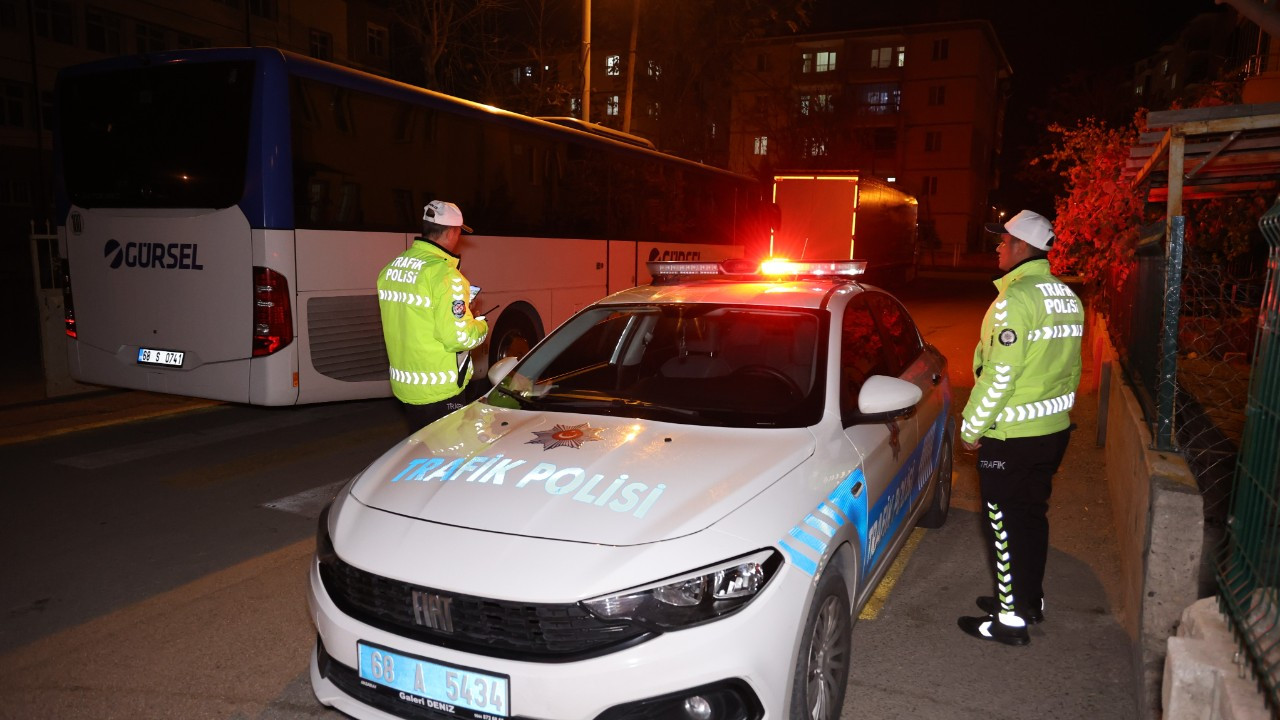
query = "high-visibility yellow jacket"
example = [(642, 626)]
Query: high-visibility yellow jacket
[(426, 322), (1027, 363)]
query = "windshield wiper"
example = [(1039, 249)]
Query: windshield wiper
[(524, 402), (617, 403)]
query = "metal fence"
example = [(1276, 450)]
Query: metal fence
[(1249, 564), (1199, 341)]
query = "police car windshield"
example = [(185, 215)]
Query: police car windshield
[(732, 366)]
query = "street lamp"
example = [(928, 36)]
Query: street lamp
[(586, 60)]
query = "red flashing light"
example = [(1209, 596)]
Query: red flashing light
[(68, 307), (272, 315)]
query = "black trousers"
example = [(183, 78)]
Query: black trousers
[(420, 416), (1016, 480)]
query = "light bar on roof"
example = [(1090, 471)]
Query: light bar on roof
[(667, 268), (840, 268)]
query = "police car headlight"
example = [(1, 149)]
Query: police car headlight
[(693, 598)]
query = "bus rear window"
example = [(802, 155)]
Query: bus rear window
[(173, 136)]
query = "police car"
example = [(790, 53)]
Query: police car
[(673, 507)]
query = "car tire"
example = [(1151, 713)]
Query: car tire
[(822, 665), (514, 334), (936, 515)]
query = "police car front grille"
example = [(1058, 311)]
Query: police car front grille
[(537, 632)]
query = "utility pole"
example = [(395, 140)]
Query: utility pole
[(586, 60), (631, 66)]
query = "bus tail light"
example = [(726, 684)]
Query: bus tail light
[(272, 317), (68, 307)]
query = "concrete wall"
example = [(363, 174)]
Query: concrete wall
[(1159, 519)]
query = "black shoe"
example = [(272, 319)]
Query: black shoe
[(988, 627), (988, 605)]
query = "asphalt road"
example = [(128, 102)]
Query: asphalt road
[(157, 570)]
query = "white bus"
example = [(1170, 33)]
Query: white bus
[(226, 213)]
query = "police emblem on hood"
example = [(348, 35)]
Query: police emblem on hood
[(565, 436)]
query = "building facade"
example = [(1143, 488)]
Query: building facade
[(922, 106)]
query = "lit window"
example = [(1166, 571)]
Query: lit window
[(611, 105), (900, 56), (613, 65), (805, 103), (654, 108), (815, 147), (824, 102), (575, 105), (817, 62), (881, 98), (713, 129), (655, 70), (881, 57), (760, 146), (376, 40)]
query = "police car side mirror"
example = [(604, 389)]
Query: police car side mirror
[(885, 398), (499, 370)]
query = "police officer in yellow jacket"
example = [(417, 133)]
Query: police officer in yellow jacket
[(426, 319), (1027, 367)]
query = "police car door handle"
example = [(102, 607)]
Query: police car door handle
[(856, 490)]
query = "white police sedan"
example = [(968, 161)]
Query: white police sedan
[(673, 507)]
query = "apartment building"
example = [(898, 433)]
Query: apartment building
[(922, 106)]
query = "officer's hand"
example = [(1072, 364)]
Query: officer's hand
[(971, 446)]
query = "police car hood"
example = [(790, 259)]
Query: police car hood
[(582, 478)]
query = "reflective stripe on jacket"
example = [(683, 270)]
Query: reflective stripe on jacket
[(1027, 363), (426, 322)]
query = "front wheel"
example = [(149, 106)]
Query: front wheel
[(822, 666)]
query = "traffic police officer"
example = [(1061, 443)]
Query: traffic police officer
[(1027, 368), (426, 319)]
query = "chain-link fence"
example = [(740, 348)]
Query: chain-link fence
[(1215, 328), (1191, 371)]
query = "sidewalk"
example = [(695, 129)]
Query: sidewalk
[(27, 414)]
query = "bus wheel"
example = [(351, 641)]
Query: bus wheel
[(515, 333)]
